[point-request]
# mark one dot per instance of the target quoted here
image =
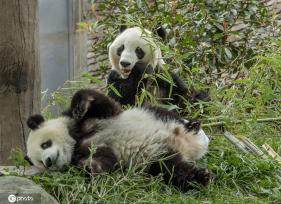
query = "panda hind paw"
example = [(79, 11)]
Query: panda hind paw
[(79, 111), (203, 177)]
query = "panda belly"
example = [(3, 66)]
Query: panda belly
[(135, 136)]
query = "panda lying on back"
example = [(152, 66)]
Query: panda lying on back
[(120, 137)]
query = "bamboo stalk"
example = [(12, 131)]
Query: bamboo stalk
[(254, 149), (260, 120), (236, 142)]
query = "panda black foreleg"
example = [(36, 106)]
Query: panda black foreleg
[(127, 88), (182, 90), (114, 79), (181, 87), (174, 91), (88, 103), (180, 173)]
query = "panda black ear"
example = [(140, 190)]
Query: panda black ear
[(122, 28), (26, 158), (34, 121), (160, 31)]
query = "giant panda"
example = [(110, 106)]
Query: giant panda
[(133, 45), (134, 53), (120, 138)]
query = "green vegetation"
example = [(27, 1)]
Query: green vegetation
[(238, 177), (243, 78)]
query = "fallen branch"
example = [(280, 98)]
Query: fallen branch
[(236, 142), (240, 121), (252, 147), (245, 144)]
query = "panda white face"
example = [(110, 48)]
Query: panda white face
[(131, 46), (49, 145)]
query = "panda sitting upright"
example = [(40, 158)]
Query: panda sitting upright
[(134, 53), (133, 136)]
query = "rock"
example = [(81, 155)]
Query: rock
[(21, 171), (13, 189)]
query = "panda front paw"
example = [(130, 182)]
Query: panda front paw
[(96, 167), (113, 76), (92, 166)]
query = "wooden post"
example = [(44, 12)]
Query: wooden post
[(78, 40), (19, 72)]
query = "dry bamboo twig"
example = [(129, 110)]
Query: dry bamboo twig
[(240, 121), (272, 153), (246, 145), (253, 148), (236, 142)]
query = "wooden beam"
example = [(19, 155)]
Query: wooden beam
[(78, 40), (20, 83)]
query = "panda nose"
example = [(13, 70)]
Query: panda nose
[(48, 162), (125, 64)]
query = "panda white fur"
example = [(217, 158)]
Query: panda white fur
[(127, 137), (134, 45)]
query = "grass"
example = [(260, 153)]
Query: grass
[(237, 177)]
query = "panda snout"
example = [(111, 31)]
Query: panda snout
[(51, 160), (125, 64), (48, 162)]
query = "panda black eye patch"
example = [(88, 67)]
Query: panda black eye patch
[(140, 53), (46, 145), (120, 50)]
